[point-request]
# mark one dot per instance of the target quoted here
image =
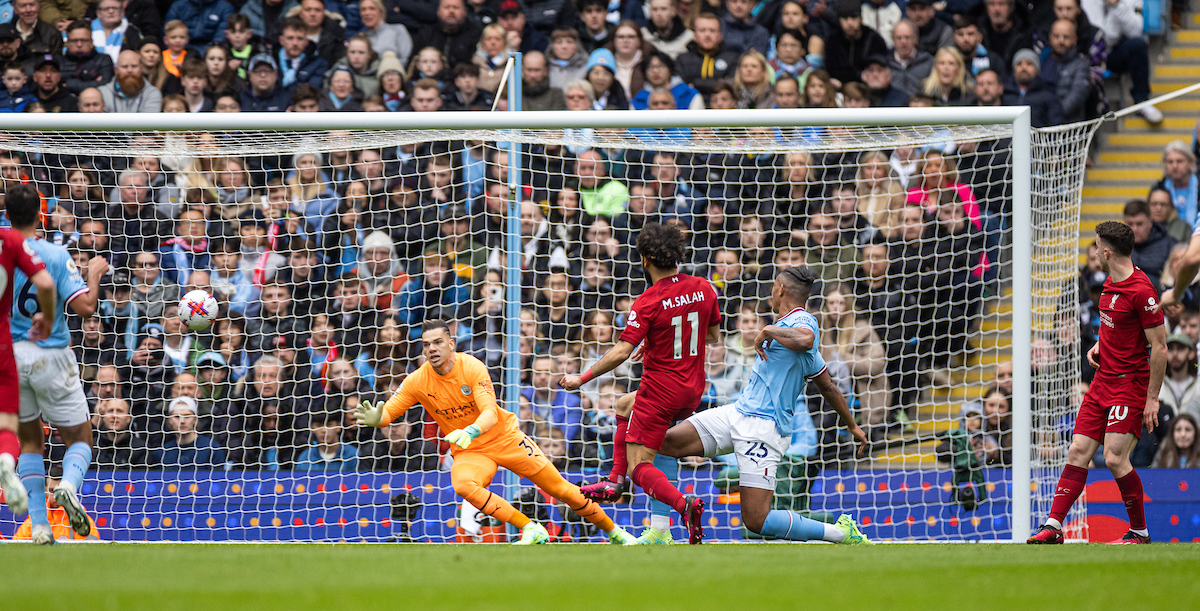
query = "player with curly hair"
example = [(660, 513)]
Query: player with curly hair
[(671, 316)]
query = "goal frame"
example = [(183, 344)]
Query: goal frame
[(1018, 117)]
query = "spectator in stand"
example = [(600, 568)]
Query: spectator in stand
[(882, 16), (299, 59), (832, 261), (400, 451), (601, 74), (850, 44), (188, 251), (1151, 244), (82, 65), (91, 100), (112, 32), (1179, 448), (880, 197), (932, 33), (558, 407), (1127, 48), (37, 36), (133, 224), (118, 446), (1180, 179), (665, 30), (151, 291), (518, 32), (753, 83), (707, 60), (384, 36), (936, 174), (1026, 88), (789, 55), (1179, 390), (264, 93), (968, 39), (628, 54), (205, 19), (363, 63), (326, 32), (1004, 29), (187, 449), (878, 78), (568, 61), (491, 56), (436, 285), (1067, 70), (599, 194), (852, 340), (242, 44), (949, 84), (988, 89), (740, 31), (130, 91), (327, 452), (660, 72), (787, 94), (47, 79), (341, 95), (595, 31), (910, 66), (454, 35), (1162, 211), (537, 94)]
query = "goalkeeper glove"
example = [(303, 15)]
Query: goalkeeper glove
[(463, 437), (369, 414)]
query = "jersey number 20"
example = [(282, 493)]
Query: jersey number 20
[(693, 319)]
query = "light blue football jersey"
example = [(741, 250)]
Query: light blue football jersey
[(68, 284), (776, 387)]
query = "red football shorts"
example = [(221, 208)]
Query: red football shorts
[(648, 423), (10, 392), (1112, 405)]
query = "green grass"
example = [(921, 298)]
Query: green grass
[(735, 577)]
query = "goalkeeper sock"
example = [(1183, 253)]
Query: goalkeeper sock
[(781, 524), (1070, 486), (11, 446), (656, 484), (620, 466), (32, 471), (75, 463), (660, 512), (1131, 493)]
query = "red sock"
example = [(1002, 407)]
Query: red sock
[(1070, 486), (620, 466), (656, 484), (1131, 493), (10, 445)]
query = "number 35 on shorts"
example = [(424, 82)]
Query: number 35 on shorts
[(1117, 413)]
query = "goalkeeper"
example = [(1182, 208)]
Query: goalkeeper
[(456, 390)]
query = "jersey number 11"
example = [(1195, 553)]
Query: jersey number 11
[(677, 322)]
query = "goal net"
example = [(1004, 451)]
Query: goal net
[(327, 248)]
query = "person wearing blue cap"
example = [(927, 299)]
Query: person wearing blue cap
[(601, 72)]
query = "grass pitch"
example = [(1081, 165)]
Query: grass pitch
[(727, 577)]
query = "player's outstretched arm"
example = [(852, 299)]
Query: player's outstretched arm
[(1158, 365), (611, 359), (39, 328), (834, 396), (84, 305), (1189, 265), (796, 339)]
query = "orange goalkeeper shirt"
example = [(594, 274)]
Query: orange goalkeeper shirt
[(455, 400)]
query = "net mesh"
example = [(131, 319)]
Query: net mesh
[(327, 249)]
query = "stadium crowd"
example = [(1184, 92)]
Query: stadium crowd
[(326, 263)]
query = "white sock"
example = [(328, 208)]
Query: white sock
[(660, 523), (833, 534), (1143, 532), (1051, 522)]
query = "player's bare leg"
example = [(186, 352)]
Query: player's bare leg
[(1118, 447), (10, 448), (610, 489), (1070, 486), (78, 439), (470, 477), (552, 482), (684, 440)]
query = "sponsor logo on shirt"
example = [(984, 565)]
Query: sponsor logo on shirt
[(466, 390)]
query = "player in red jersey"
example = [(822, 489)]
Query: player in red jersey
[(15, 254), (676, 316), (1129, 359)]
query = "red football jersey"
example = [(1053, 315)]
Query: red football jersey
[(673, 318), (14, 254), (1126, 311)]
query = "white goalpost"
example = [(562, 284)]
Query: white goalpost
[(947, 241)]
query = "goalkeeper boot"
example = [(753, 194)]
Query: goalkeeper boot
[(654, 536), (14, 490), (42, 534), (1046, 535), (68, 497), (533, 534), (693, 515), (849, 527), (619, 536), (1132, 538), (604, 491)]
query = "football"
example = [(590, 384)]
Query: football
[(197, 310)]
